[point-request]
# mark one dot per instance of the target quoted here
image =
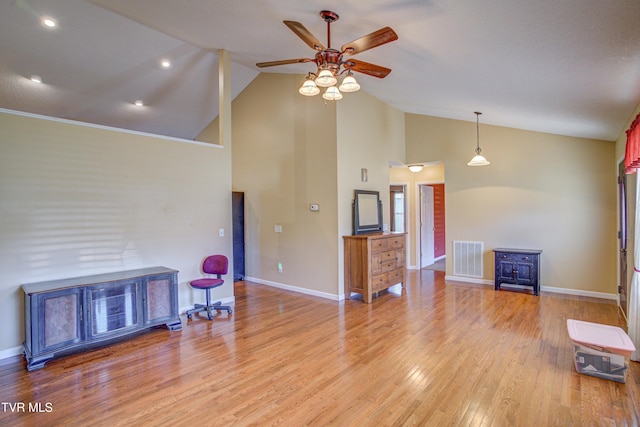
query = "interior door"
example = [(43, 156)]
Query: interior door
[(426, 226)]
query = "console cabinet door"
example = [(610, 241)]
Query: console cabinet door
[(58, 320), (160, 298)]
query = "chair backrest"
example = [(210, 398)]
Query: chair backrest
[(215, 264)]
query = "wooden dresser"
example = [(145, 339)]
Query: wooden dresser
[(373, 262)]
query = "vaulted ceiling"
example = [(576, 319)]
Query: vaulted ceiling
[(569, 67)]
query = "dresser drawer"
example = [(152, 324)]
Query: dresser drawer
[(379, 245), (396, 276), (515, 257), (379, 282), (388, 265), (396, 242)]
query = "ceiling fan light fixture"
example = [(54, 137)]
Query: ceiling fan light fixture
[(330, 62), (349, 84), (309, 88), (332, 94), (326, 78)]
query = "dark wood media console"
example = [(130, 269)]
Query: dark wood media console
[(70, 315)]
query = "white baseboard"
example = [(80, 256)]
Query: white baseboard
[(579, 292), (223, 301), (10, 352), (566, 291), (296, 289), (468, 280)]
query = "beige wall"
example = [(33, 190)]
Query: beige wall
[(284, 159), (78, 200), (370, 136), (290, 151), (541, 191)]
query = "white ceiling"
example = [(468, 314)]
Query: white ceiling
[(569, 67)]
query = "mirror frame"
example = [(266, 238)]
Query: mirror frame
[(365, 209)]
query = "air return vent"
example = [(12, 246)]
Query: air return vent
[(467, 258)]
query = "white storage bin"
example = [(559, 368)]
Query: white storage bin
[(600, 350)]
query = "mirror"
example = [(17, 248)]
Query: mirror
[(367, 212)]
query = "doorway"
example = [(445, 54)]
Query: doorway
[(237, 209), (426, 226), (398, 208), (431, 230)]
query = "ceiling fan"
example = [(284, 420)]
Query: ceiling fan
[(331, 63)]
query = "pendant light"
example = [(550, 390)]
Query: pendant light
[(478, 159)]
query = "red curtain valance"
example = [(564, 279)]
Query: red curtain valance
[(632, 152)]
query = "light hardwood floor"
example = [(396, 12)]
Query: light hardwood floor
[(427, 354)]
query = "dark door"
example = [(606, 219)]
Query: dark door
[(237, 207), (622, 236)]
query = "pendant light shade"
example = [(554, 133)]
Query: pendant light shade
[(309, 88), (326, 79), (332, 94), (478, 159), (349, 84)]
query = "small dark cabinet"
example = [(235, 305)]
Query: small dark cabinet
[(518, 267), (70, 315)]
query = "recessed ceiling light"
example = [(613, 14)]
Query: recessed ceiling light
[(139, 103), (36, 79), (49, 22), (165, 63)]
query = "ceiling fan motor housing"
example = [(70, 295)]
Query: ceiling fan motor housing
[(329, 59)]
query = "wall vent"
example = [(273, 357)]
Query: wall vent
[(467, 258)]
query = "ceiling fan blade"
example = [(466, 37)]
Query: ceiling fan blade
[(367, 68), (283, 62), (305, 35), (377, 38)]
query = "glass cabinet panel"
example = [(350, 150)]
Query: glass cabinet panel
[(113, 307)]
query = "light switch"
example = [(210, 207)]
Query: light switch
[(314, 207), (221, 232), (278, 229)]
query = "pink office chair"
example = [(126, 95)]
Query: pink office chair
[(213, 264)]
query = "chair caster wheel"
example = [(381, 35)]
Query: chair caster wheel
[(189, 317), (229, 312)]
